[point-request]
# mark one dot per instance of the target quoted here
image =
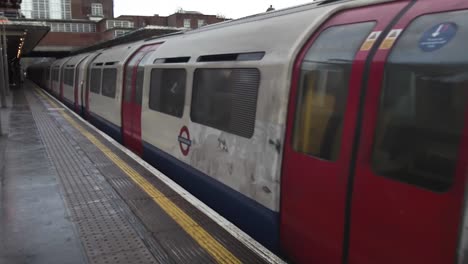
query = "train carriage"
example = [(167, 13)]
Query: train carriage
[(103, 91), (330, 132), (56, 77), (71, 81)]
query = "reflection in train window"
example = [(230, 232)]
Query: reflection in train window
[(420, 124), (226, 99), (323, 90), (422, 106), (109, 81), (140, 77), (95, 80), (68, 76), (129, 72), (55, 75), (167, 91), (64, 77)]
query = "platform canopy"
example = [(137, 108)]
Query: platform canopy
[(22, 36)]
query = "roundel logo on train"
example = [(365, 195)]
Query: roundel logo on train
[(184, 140), (437, 36)]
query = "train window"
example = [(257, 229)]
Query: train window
[(323, 90), (171, 60), (55, 75), (65, 76), (68, 76), (140, 77), (423, 103), (129, 75), (248, 56), (109, 81), (71, 77), (63, 72), (226, 99), (167, 91), (95, 80)]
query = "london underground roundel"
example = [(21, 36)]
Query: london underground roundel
[(184, 140)]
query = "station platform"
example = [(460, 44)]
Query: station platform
[(71, 194)]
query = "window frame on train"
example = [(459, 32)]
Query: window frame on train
[(109, 83), (318, 121), (240, 123), (158, 87), (92, 86)]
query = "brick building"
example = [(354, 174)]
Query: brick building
[(94, 9), (75, 24), (9, 8), (180, 19)]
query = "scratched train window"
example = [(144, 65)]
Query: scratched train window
[(226, 99), (109, 82), (55, 75), (95, 80), (167, 91), (68, 76)]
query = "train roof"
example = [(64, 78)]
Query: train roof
[(279, 33)]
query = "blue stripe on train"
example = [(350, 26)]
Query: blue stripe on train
[(256, 220)]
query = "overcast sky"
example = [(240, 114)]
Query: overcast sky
[(228, 8)]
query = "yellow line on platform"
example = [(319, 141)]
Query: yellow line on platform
[(198, 233)]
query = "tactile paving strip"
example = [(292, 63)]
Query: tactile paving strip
[(105, 233)]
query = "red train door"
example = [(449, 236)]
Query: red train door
[(324, 101), (132, 96), (412, 156)]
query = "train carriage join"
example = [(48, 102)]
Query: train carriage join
[(331, 132)]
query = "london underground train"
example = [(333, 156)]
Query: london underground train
[(332, 132)]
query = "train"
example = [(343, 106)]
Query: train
[(330, 132)]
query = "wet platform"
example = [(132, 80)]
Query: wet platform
[(70, 194)]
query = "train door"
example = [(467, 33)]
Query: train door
[(412, 154), (61, 71), (77, 86), (87, 84), (62, 77), (324, 101), (132, 97), (54, 80), (48, 78)]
